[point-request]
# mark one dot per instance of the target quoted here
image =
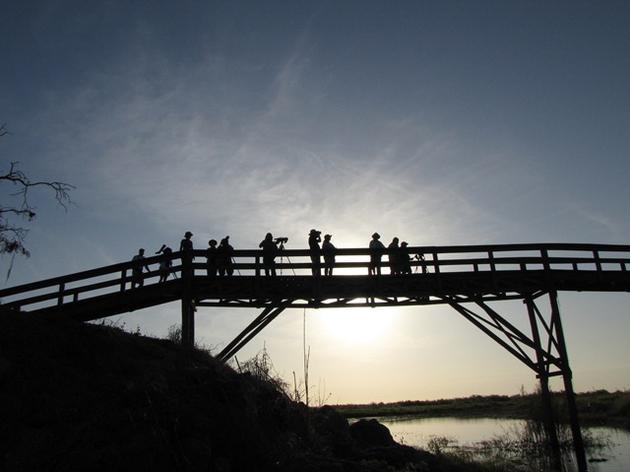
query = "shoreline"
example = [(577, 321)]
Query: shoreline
[(596, 408)]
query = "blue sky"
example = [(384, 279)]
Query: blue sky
[(438, 122)]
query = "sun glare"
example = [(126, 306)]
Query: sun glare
[(357, 326)]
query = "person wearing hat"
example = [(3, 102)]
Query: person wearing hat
[(186, 248), (186, 244), (211, 258), (328, 251), (376, 252), (314, 238)]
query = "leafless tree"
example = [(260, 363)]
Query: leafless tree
[(13, 235)]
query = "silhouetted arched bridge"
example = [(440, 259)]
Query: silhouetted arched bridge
[(460, 276), (459, 273)]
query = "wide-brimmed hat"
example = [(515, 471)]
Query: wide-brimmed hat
[(314, 231)]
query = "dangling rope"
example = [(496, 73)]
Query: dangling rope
[(306, 356)]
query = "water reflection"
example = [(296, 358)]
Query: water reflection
[(469, 433)]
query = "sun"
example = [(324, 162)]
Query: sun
[(357, 325)]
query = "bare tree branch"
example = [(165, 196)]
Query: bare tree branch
[(12, 237), (28, 214), (17, 177)]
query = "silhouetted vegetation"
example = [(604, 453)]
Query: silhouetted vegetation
[(524, 447), (519, 449)]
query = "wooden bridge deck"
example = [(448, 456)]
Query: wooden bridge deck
[(465, 272)]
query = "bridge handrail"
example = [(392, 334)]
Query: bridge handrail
[(442, 262), (123, 269), (83, 275), (446, 249)]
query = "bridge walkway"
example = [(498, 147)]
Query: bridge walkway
[(487, 273)]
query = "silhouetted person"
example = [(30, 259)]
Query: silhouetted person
[(166, 263), (328, 251), (186, 244), (405, 259), (314, 238), (137, 268), (211, 258), (270, 249), (394, 257), (376, 252), (186, 248), (224, 257)]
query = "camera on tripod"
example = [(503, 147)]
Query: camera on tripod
[(281, 240)]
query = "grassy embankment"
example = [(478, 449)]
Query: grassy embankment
[(597, 407)]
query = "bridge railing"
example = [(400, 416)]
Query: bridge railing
[(86, 284), (427, 259), (118, 278)]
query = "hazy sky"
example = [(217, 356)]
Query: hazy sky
[(438, 122)]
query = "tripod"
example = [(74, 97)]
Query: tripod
[(281, 249), (234, 262), (420, 258)]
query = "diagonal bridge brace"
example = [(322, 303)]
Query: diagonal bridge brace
[(504, 333), (267, 316), (549, 349)]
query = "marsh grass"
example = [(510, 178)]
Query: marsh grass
[(261, 367), (525, 447), (518, 449)]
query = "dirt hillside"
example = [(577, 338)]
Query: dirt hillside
[(84, 397)]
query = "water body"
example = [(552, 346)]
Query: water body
[(417, 432)]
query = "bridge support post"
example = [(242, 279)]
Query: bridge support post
[(544, 351), (545, 394), (578, 442), (188, 322), (188, 309)]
